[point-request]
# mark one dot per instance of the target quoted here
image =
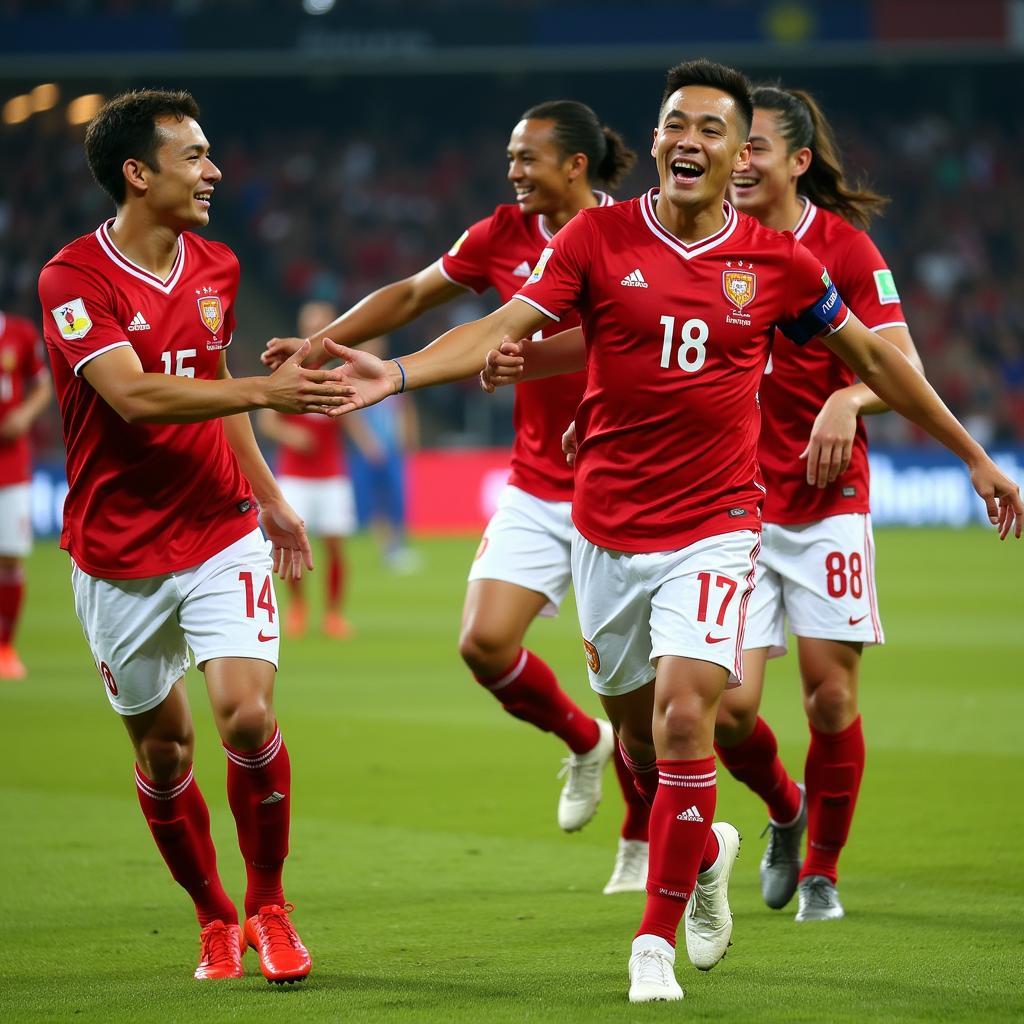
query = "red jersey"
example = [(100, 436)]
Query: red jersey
[(677, 336), (145, 498), (324, 459), (21, 360), (799, 380), (500, 252)]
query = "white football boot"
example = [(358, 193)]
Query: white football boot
[(651, 975), (630, 871), (708, 919), (582, 790)]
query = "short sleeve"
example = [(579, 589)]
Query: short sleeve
[(813, 304), (557, 280), (467, 262), (78, 318), (867, 285)]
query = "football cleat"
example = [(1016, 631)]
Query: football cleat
[(708, 919), (11, 666), (819, 900), (282, 955), (295, 619), (780, 865), (581, 793), (220, 951), (652, 978), (336, 626), (630, 871)]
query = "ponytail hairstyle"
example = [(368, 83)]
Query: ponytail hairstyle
[(801, 123), (577, 130)]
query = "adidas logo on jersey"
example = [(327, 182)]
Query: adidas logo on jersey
[(690, 814), (523, 270), (138, 323), (634, 280)]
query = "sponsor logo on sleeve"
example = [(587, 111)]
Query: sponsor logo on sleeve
[(825, 279), (886, 287), (72, 319), (454, 250), (538, 271)]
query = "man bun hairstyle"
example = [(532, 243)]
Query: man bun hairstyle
[(801, 122), (577, 130), (125, 129), (715, 76)]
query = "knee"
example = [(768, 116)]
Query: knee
[(166, 758), (637, 741), (682, 730), (831, 702), (248, 725), (486, 651), (734, 724)]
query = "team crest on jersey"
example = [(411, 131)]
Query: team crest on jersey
[(210, 312), (739, 286), (72, 319), (593, 658)]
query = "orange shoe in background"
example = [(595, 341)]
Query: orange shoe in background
[(295, 620), (11, 666), (221, 949), (337, 626), (282, 955)]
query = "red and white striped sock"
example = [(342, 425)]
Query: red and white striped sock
[(638, 804)]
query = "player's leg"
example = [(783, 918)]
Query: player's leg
[(336, 521), (834, 769), (15, 546), (229, 617), (298, 492)]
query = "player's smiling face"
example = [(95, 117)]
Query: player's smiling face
[(773, 171), (181, 187), (698, 145), (538, 171)]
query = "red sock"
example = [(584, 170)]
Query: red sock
[(680, 822), (335, 579), (638, 806), (12, 592), (835, 766), (529, 690), (645, 777), (755, 762), (259, 792), (177, 816)]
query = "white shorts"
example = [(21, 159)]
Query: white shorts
[(15, 521), (326, 505), (821, 577), (635, 608), (528, 542), (140, 631)]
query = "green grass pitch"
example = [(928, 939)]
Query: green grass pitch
[(431, 880)]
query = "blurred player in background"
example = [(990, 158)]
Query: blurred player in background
[(160, 520), (24, 393), (311, 472), (816, 568), (558, 154), (681, 297)]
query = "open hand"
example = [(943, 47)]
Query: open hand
[(830, 447), (1001, 496), (278, 350), (367, 379), (287, 533), (292, 388)]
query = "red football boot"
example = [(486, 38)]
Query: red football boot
[(221, 949), (282, 955)]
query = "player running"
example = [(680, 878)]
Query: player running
[(680, 297), (24, 393), (816, 567), (166, 484), (557, 154)]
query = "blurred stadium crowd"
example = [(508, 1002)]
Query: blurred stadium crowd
[(333, 209)]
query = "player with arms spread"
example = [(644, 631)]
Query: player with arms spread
[(557, 154), (680, 298), (816, 566), (24, 393), (166, 483)]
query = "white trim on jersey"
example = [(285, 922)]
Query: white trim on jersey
[(547, 235), (448, 277), (882, 327), (846, 320), (688, 250), (92, 355), (806, 218), (165, 285), (539, 307)]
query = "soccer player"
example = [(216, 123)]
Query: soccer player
[(680, 297), (816, 566), (311, 473), (24, 393), (558, 153), (165, 486)]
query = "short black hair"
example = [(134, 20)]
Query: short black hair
[(715, 76), (125, 129)]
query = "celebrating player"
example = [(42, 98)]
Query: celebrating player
[(680, 298), (557, 154), (161, 516), (24, 393), (311, 472), (816, 566)]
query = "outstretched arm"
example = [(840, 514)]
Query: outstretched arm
[(895, 380)]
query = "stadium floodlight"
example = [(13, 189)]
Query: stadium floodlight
[(318, 6), (17, 109), (83, 109), (44, 97)]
